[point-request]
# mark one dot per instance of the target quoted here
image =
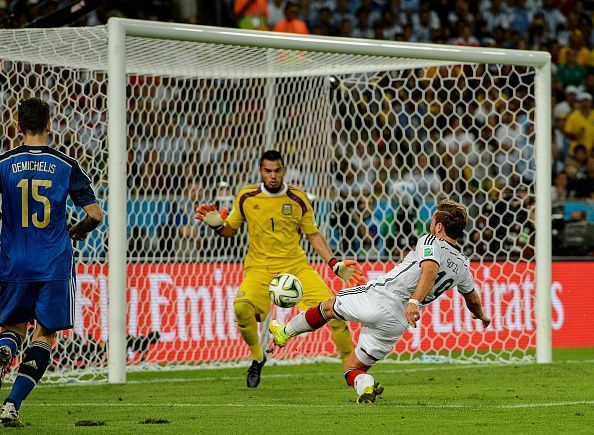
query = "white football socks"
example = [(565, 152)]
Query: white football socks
[(297, 325), (363, 381)]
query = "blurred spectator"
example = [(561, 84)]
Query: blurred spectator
[(251, 14), (342, 219), (345, 29), (423, 180), (323, 25), (460, 14), (482, 127), (347, 183), (522, 17), (570, 72), (342, 13), (553, 16), (362, 28), (378, 30), (560, 187), (577, 44), (579, 126), (560, 145), (485, 109), (224, 195), (317, 5), (572, 170), (276, 11), (589, 84), (588, 187), (580, 157), (181, 236), (498, 15), (565, 107), (398, 230), (579, 166), (291, 24), (465, 37), (564, 32), (507, 218), (422, 27), (457, 138), (538, 31), (367, 223), (391, 24), (584, 15)]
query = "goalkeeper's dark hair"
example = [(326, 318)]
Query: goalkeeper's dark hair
[(272, 156), (453, 216), (33, 116)]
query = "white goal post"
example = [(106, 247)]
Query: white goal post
[(120, 29), (163, 116)]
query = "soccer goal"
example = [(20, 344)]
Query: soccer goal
[(165, 115)]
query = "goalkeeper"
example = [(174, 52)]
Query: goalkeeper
[(276, 216)]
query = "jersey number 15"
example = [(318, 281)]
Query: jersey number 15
[(36, 196)]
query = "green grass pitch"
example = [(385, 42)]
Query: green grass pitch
[(313, 398)]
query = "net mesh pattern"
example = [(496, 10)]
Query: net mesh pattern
[(86, 48), (375, 142)]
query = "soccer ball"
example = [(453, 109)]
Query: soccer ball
[(285, 290)]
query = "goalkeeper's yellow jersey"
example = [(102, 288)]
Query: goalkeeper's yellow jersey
[(275, 223)]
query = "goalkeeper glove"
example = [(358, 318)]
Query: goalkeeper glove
[(209, 214), (348, 270)]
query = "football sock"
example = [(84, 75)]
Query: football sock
[(342, 337), (35, 361), (351, 374), (363, 381), (248, 327), (306, 321), (257, 353), (12, 340), (359, 379)]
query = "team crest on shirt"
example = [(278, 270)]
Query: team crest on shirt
[(428, 251), (287, 209)]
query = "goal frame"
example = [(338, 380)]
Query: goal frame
[(120, 28)]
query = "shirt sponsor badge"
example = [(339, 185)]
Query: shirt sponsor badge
[(287, 209), (428, 252)]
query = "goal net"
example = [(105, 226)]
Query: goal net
[(376, 142)]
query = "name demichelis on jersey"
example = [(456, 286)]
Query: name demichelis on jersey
[(275, 223), (30, 165), (35, 182), (396, 287)]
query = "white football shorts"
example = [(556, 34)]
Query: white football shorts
[(381, 329)]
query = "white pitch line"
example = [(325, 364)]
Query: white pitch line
[(338, 374), (377, 370), (301, 405), (537, 405), (308, 374)]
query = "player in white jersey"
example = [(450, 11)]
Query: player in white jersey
[(387, 306)]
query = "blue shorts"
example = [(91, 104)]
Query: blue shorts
[(50, 303)]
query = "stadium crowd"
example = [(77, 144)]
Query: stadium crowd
[(485, 157)]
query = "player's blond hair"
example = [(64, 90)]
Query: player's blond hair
[(453, 216)]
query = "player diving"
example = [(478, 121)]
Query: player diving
[(387, 306)]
